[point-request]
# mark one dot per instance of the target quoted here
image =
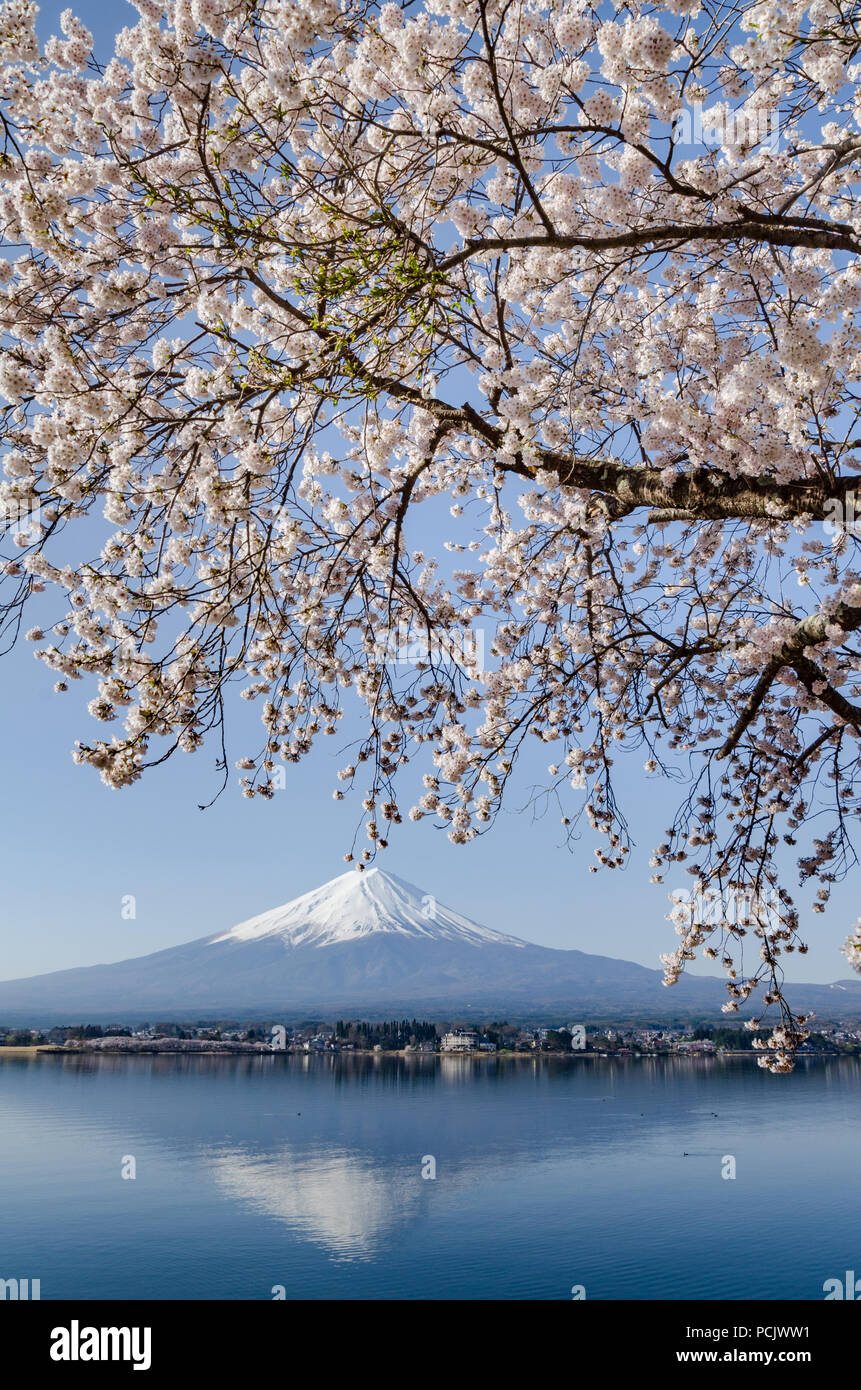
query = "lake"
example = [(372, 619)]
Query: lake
[(306, 1174)]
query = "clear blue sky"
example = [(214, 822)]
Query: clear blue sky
[(72, 848)]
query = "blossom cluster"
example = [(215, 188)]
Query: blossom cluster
[(281, 276)]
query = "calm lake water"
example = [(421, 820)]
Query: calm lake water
[(307, 1173)]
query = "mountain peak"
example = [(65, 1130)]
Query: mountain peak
[(357, 905)]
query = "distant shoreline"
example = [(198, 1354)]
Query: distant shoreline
[(239, 1051)]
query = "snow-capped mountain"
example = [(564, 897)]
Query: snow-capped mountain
[(369, 942), (356, 906)]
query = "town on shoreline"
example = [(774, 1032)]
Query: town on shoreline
[(411, 1037)]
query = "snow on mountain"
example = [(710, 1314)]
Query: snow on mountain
[(357, 905)]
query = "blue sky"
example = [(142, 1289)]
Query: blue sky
[(73, 849)]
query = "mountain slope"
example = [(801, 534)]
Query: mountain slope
[(369, 942), (356, 906)]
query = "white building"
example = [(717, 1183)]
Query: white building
[(461, 1040)]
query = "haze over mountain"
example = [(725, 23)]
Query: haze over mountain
[(374, 943)]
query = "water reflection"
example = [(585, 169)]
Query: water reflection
[(340, 1201), (253, 1171)]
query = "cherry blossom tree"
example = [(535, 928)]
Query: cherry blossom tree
[(285, 283)]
